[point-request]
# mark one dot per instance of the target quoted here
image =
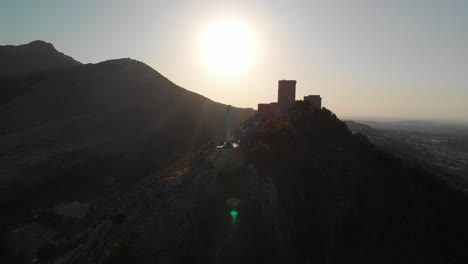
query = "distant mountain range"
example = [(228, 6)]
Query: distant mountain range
[(425, 126), (69, 130)]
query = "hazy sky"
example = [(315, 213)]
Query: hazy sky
[(403, 59)]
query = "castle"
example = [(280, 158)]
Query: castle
[(286, 99)]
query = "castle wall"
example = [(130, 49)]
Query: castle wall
[(315, 101), (271, 109)]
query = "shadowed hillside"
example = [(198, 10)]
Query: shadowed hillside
[(77, 133)]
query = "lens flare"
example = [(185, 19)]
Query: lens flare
[(234, 215)]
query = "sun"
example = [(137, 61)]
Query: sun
[(228, 47)]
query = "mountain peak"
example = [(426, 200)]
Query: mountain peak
[(36, 56), (40, 44)]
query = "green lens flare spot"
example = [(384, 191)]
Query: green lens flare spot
[(234, 215)]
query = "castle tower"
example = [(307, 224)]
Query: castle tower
[(286, 94)]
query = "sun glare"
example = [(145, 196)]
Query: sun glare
[(228, 47)]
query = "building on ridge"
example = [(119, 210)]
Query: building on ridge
[(286, 99)]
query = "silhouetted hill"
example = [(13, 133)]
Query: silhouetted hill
[(305, 190), (37, 56), (81, 132)]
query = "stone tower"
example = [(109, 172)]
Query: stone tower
[(286, 94)]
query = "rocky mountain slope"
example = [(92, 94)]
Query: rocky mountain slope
[(84, 131), (302, 190)]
